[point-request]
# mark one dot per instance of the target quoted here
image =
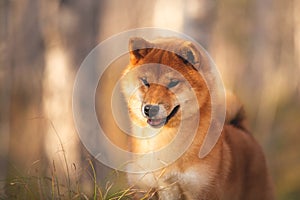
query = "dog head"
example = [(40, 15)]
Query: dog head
[(162, 83)]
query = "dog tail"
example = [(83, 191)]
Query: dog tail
[(235, 113)]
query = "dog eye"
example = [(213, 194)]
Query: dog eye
[(145, 82), (173, 83)]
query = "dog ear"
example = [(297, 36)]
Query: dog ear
[(189, 53), (138, 48)]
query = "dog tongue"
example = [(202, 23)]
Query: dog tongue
[(155, 122)]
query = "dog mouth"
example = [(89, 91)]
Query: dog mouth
[(157, 123)]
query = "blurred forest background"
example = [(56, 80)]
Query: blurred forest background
[(255, 44)]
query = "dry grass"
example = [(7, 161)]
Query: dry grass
[(51, 186)]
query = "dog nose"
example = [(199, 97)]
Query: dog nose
[(151, 110)]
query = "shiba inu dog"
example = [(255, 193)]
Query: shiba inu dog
[(167, 95)]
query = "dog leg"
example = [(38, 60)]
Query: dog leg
[(170, 192)]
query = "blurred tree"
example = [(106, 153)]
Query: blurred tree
[(5, 88), (24, 60), (70, 29)]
